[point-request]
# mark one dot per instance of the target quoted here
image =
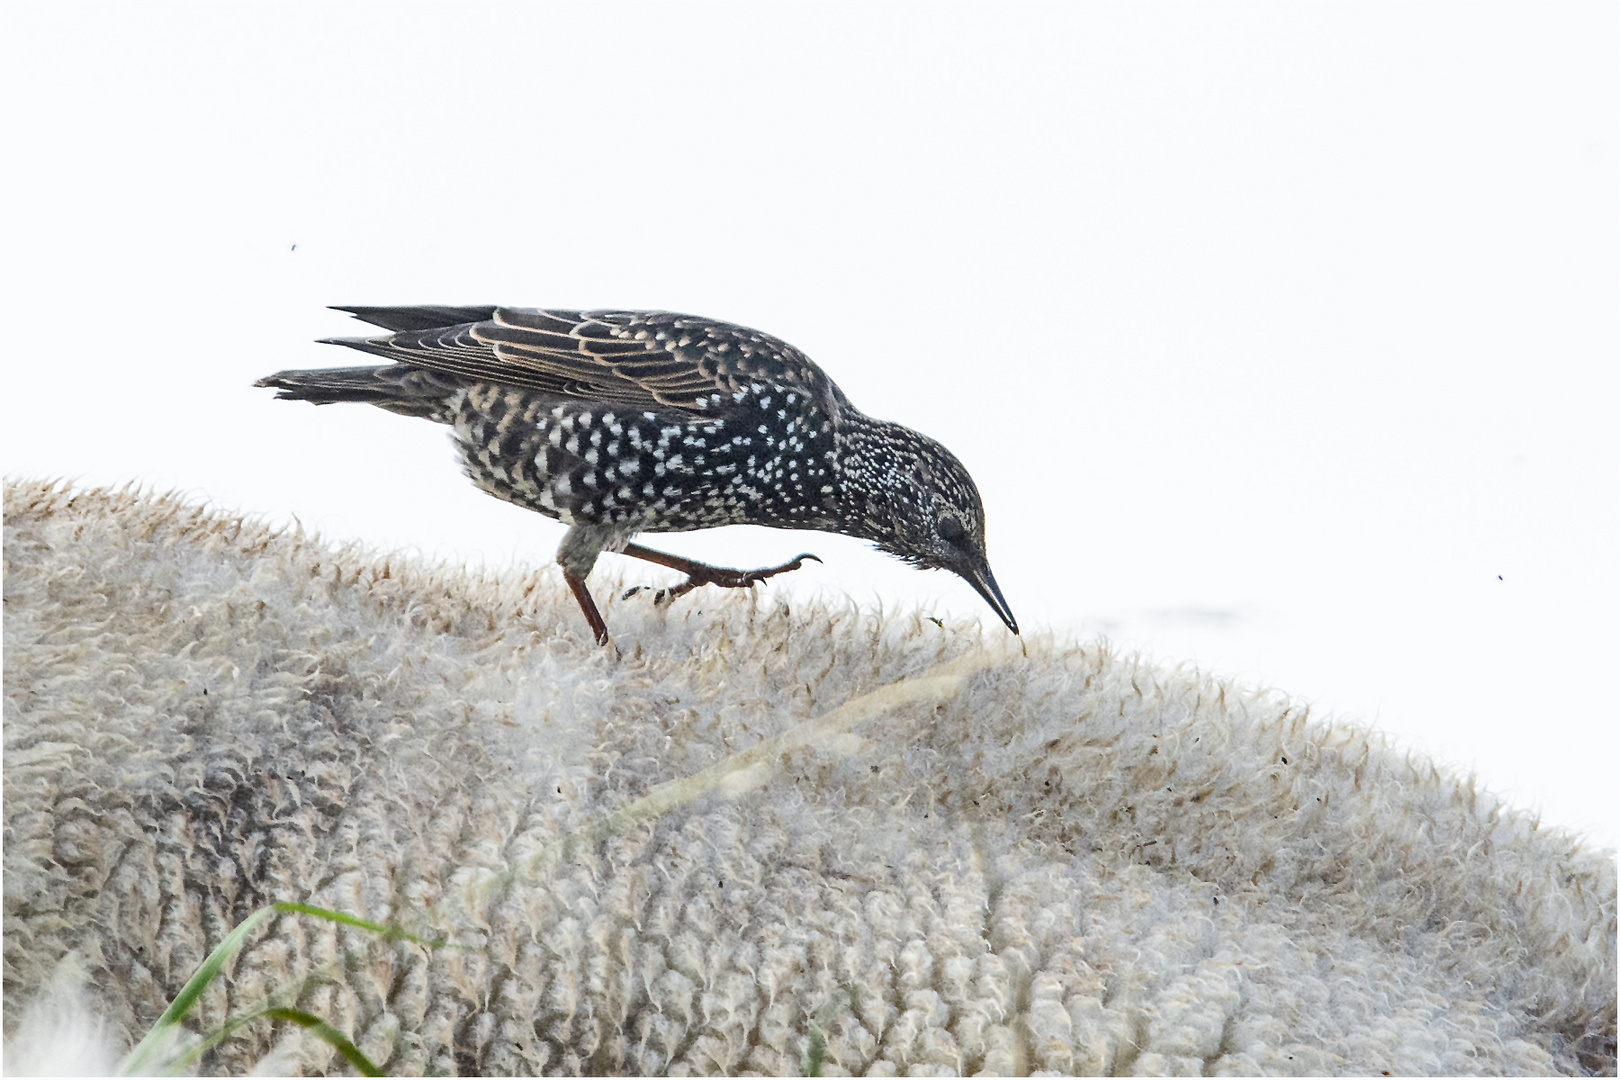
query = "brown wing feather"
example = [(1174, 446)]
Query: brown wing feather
[(669, 359), (638, 358)]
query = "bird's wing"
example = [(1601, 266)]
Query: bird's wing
[(636, 358)]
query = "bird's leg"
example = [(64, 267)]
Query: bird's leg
[(587, 605), (703, 574), (576, 555)]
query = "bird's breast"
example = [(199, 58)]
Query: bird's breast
[(765, 457)]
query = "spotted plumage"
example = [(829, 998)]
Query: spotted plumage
[(622, 422)]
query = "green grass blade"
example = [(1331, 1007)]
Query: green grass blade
[(142, 1058), (390, 933), (328, 1034), (138, 1060)]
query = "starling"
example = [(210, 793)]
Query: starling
[(624, 422)]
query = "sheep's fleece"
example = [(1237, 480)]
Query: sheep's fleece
[(765, 838)]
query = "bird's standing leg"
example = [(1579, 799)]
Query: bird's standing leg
[(576, 555), (703, 574), (587, 605)]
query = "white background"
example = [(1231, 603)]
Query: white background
[(1280, 339)]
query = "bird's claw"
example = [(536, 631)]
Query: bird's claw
[(725, 578), (744, 579)]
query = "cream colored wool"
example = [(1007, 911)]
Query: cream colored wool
[(1067, 861)]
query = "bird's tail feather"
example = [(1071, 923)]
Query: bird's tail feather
[(419, 317), (395, 387)]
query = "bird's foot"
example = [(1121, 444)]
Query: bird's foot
[(703, 574)]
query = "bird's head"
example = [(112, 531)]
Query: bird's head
[(923, 507)]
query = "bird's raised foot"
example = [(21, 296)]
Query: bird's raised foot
[(703, 574)]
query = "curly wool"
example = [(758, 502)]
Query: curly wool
[(954, 857)]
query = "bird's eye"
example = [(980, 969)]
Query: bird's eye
[(950, 528)]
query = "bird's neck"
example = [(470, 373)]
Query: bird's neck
[(876, 477)]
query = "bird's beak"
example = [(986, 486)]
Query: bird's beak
[(985, 582)]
